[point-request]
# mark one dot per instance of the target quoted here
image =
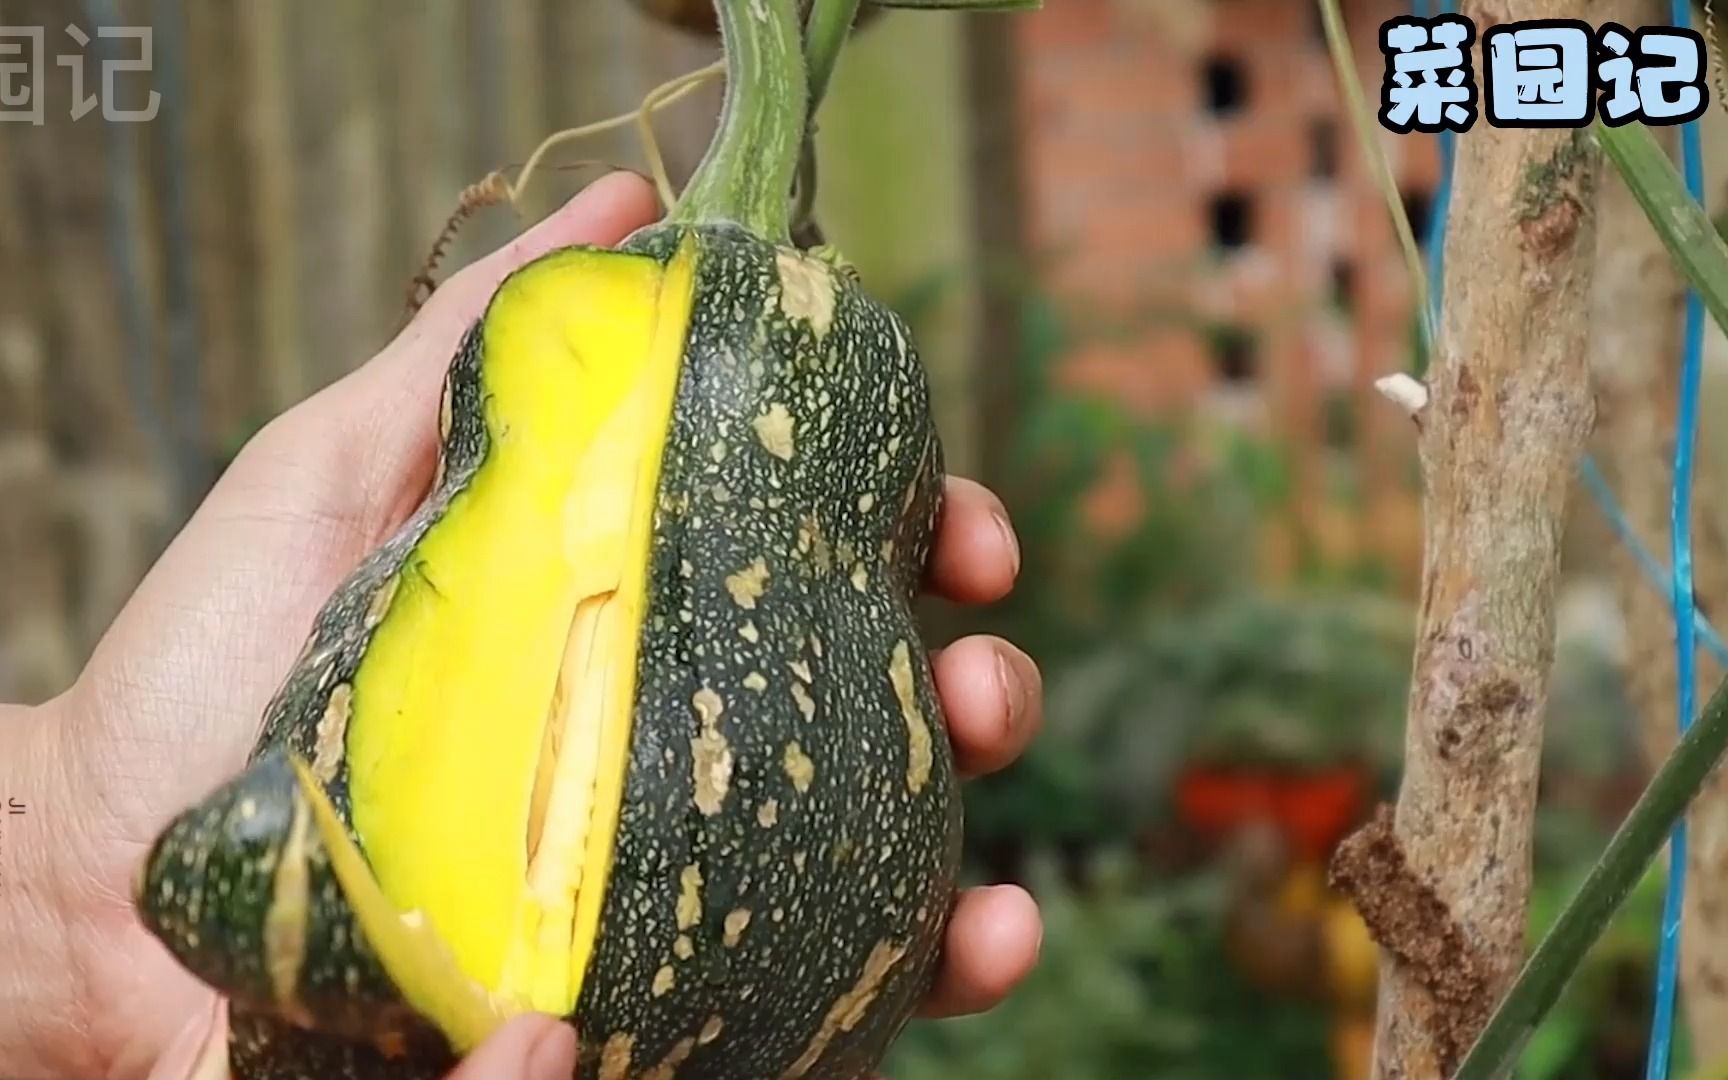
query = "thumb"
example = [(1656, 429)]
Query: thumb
[(199, 1051), (532, 1047), (371, 437)]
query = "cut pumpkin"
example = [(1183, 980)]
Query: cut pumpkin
[(506, 663)]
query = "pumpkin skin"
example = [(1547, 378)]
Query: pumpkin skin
[(770, 897)]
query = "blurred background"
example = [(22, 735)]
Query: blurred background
[(1153, 285)]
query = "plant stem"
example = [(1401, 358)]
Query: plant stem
[(746, 176), (1628, 856), (830, 25), (827, 31), (1368, 139), (1685, 228)]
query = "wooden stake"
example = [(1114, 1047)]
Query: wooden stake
[(1502, 434)]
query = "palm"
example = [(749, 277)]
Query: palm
[(195, 657)]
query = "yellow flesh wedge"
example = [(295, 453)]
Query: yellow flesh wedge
[(493, 707)]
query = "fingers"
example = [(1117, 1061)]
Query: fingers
[(396, 395), (993, 941), (602, 214), (529, 1047), (371, 438), (976, 555), (993, 698)]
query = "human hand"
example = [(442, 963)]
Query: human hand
[(171, 699)]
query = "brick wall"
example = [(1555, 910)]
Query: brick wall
[(1190, 171)]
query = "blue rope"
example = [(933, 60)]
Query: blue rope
[(1685, 647), (1436, 239), (1652, 568)]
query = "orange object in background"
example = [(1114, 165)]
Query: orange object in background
[(1311, 810), (1286, 931)]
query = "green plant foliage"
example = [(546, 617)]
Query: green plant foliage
[(1160, 648), (1133, 983), (1158, 645)]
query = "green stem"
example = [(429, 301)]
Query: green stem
[(746, 176), (1686, 230), (1368, 137), (828, 29), (1611, 880), (830, 25)]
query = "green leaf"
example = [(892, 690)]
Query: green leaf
[(1686, 230)]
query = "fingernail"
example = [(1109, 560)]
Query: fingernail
[(1008, 537), (1013, 692), (554, 1055)]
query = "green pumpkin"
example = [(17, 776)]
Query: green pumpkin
[(630, 722)]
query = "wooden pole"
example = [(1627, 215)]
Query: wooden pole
[(1444, 883)]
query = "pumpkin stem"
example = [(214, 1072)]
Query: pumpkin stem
[(746, 176)]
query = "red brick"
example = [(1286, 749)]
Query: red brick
[(1161, 372), (1121, 159), (1156, 160), (1121, 281), (1070, 22), (1155, 230), (1262, 151), (1270, 24)]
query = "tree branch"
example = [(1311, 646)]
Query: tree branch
[(1501, 439)]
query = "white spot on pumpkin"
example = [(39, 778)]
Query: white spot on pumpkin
[(710, 1031), (918, 746), (806, 703), (332, 734), (381, 600), (689, 896), (737, 921), (615, 1056), (711, 755), (748, 584), (775, 430), (799, 767), (806, 291)]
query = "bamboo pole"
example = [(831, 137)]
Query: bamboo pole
[(271, 164), (337, 160), (36, 645), (223, 244), (1444, 883)]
